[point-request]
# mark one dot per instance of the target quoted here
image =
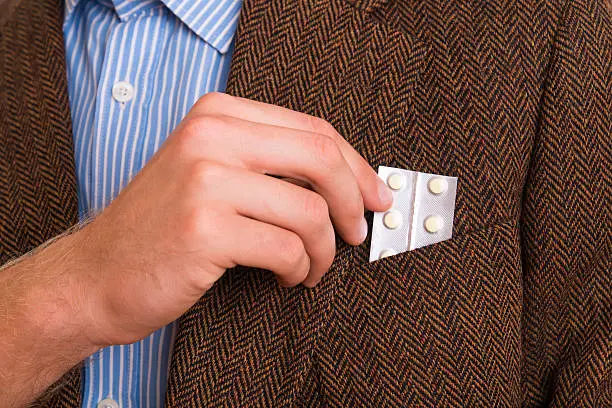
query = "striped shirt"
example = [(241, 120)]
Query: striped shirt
[(135, 67)]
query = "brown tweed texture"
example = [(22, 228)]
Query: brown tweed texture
[(512, 97), (37, 177)]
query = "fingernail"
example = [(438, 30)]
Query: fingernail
[(384, 193), (364, 229)]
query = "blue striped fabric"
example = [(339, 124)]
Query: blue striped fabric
[(171, 52)]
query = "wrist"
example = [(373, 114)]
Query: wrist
[(61, 296), (43, 328)]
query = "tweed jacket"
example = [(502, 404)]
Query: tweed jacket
[(512, 97)]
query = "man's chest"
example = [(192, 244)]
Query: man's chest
[(432, 87)]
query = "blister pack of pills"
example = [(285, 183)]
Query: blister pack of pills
[(422, 213)]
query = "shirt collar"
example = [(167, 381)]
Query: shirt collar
[(214, 21), (69, 6), (125, 9)]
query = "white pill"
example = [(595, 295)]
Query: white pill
[(392, 219), (396, 181), (434, 223), (386, 252), (437, 185)]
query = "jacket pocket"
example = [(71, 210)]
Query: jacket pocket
[(438, 326)]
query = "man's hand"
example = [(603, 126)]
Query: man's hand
[(206, 202), (237, 183)]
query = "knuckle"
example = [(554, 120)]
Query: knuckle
[(316, 209), (320, 125), (354, 207), (354, 218), (191, 228), (202, 225), (212, 101), (292, 251), (204, 174), (198, 134), (193, 132), (212, 125), (204, 126), (188, 135), (326, 150)]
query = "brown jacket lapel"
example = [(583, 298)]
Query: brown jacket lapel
[(38, 187), (37, 178)]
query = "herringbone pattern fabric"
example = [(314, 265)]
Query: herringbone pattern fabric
[(567, 239), (37, 180), (38, 185), (512, 97)]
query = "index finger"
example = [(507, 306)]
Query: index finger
[(376, 195)]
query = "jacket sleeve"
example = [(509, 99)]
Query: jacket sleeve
[(566, 226)]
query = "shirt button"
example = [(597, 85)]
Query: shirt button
[(123, 91), (107, 403)]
